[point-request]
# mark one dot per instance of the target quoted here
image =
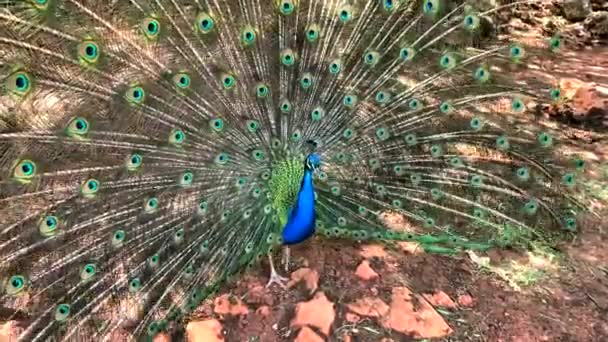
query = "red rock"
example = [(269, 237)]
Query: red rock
[(308, 335), (162, 337), (318, 312), (229, 305), (365, 271), (10, 331), (420, 320), (352, 317), (208, 331), (440, 299), (465, 300), (308, 275), (370, 307), (259, 294), (263, 311), (373, 251)]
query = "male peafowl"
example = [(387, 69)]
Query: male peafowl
[(150, 150)]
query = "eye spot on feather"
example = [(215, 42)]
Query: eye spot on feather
[(569, 179), (89, 52), (15, 284), (285, 106), (222, 159), (471, 22), (151, 205), (312, 33), (531, 207), (390, 5), (335, 66), (306, 81), (350, 101), (90, 188), (502, 143), (118, 238), (545, 139), (262, 90), (24, 171), (436, 151), (382, 134), (570, 223), (523, 173), (216, 125), (62, 312), (48, 225), (205, 23), (345, 14), (371, 58), (317, 114), (248, 36), (287, 7), (135, 95), (517, 105), (446, 107), (411, 139), (151, 28), (19, 83), (555, 44), (288, 57), (177, 137)]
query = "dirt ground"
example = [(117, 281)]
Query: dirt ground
[(570, 303)]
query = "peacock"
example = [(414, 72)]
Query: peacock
[(153, 150)]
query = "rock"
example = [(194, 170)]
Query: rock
[(369, 307), (308, 335), (576, 10), (419, 320), (465, 301), (229, 305), (263, 311), (440, 299), (351, 317), (318, 312), (162, 337), (207, 331), (10, 331), (597, 24), (308, 275), (365, 271), (259, 294)]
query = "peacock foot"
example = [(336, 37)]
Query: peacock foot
[(276, 278)]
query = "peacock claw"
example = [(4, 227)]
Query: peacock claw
[(276, 278)]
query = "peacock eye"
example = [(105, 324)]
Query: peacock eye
[(90, 188), (205, 23), (285, 106), (89, 52), (317, 114), (248, 36), (306, 81), (371, 58), (62, 312), (182, 80), (287, 57), (19, 83), (345, 14), (287, 7), (335, 66), (312, 33), (262, 91)]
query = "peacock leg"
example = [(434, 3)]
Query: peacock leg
[(274, 276), (286, 255)]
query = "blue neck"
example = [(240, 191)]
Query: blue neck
[(301, 221)]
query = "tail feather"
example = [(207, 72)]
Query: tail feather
[(151, 150)]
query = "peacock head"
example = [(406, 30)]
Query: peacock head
[(313, 161)]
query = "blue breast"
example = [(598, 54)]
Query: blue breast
[(301, 221)]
